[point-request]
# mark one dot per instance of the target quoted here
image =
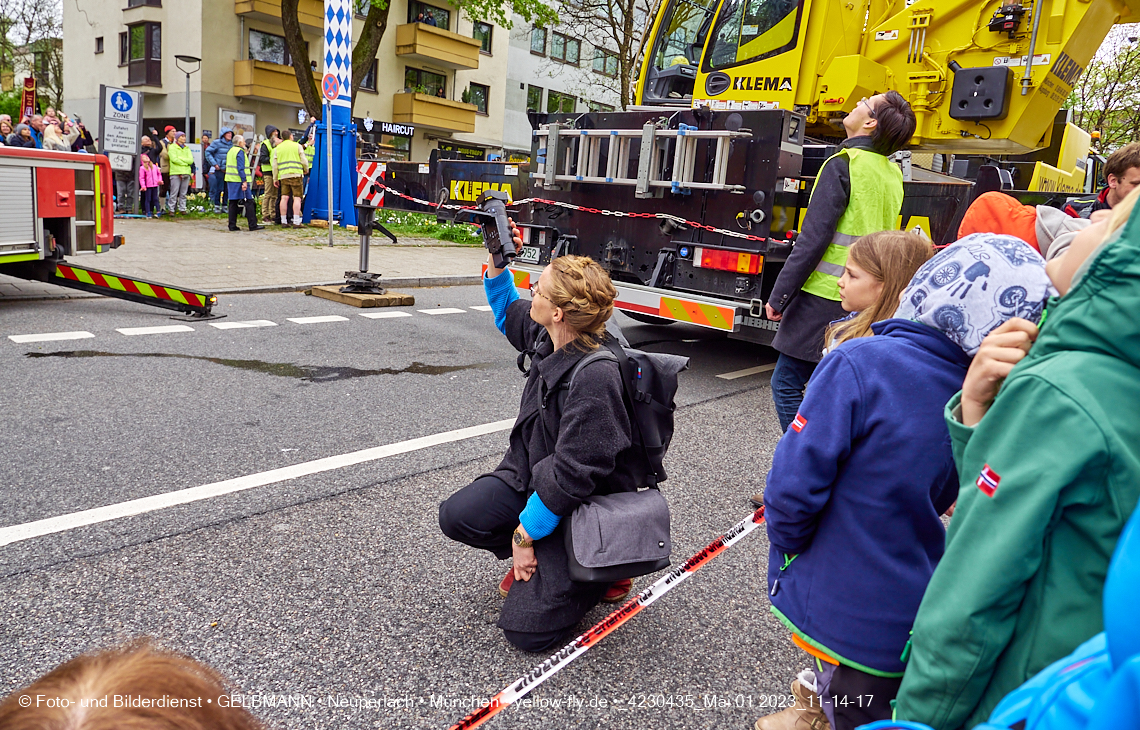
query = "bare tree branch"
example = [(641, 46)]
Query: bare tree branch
[(299, 54)]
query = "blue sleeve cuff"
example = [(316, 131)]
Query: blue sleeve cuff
[(536, 519), (501, 294)]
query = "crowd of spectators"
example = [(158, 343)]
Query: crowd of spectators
[(987, 383)]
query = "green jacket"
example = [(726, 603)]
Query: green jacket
[(181, 158), (1021, 582)]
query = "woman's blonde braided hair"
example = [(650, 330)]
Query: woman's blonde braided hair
[(584, 292)]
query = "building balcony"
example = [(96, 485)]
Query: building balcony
[(267, 82), (428, 44), (424, 110), (310, 13)]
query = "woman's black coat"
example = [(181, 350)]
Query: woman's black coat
[(592, 455)]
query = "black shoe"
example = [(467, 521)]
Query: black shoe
[(257, 228), (234, 228)]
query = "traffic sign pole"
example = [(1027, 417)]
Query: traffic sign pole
[(331, 89), (329, 177)]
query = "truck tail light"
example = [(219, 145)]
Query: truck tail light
[(736, 261)]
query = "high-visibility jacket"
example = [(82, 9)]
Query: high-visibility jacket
[(289, 160), (310, 153), (267, 166), (235, 169), (865, 214)]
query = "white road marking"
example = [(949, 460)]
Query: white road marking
[(51, 337), (61, 523), (444, 310), (748, 371), (242, 325), (385, 315), (481, 308), (317, 320), (155, 330)]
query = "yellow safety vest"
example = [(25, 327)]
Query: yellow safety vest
[(233, 174), (310, 153), (876, 199), (289, 162), (267, 166)]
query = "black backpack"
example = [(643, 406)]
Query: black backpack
[(649, 383)]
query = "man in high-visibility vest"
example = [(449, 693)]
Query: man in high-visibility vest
[(289, 168), (265, 159), (239, 181), (857, 191)]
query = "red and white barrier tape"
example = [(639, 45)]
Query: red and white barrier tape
[(582, 209), (523, 685)]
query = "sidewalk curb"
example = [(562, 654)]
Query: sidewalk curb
[(407, 282)]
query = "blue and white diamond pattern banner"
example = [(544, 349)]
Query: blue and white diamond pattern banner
[(338, 42)]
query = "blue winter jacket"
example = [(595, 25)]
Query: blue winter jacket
[(855, 492), (216, 153)]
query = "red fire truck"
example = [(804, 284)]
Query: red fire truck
[(57, 204)]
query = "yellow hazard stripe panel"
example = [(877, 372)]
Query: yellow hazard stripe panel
[(707, 315), (522, 279), (176, 295)]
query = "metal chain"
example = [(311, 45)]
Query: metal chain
[(582, 209)]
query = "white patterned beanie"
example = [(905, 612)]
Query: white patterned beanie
[(974, 285)]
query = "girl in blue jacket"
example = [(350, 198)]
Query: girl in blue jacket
[(860, 479)]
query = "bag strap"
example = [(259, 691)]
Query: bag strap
[(611, 350)]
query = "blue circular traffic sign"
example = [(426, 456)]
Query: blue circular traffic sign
[(330, 87), (122, 101)]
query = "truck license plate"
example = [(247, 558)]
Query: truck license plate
[(527, 255)]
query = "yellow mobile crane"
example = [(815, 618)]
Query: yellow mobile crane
[(982, 77), (692, 198)]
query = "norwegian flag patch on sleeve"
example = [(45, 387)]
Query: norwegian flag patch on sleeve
[(988, 481), (798, 423)]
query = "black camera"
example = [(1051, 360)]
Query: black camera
[(491, 216)]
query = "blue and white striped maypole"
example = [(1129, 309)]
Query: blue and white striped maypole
[(338, 62)]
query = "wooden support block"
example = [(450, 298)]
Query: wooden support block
[(391, 299)]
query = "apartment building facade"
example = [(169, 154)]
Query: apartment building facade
[(418, 79), (439, 80), (554, 70)]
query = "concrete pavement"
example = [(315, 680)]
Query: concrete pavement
[(202, 254)]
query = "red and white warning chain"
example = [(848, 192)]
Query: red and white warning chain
[(597, 211), (523, 685)]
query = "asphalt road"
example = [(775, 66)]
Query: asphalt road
[(335, 587)]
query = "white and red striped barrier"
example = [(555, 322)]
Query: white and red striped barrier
[(522, 686)]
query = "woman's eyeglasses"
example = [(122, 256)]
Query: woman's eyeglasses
[(870, 109)]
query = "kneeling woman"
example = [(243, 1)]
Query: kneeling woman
[(555, 461)]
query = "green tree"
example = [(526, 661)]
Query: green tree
[(1107, 96), (374, 26)]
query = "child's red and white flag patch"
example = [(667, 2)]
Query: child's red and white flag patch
[(988, 481), (798, 423)]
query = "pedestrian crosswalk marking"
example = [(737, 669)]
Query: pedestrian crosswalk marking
[(154, 330), (481, 308), (444, 310), (243, 325), (384, 315), (318, 320), (50, 337)]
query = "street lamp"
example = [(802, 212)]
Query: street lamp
[(178, 61)]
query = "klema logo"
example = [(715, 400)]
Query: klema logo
[(470, 190), (761, 83)]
